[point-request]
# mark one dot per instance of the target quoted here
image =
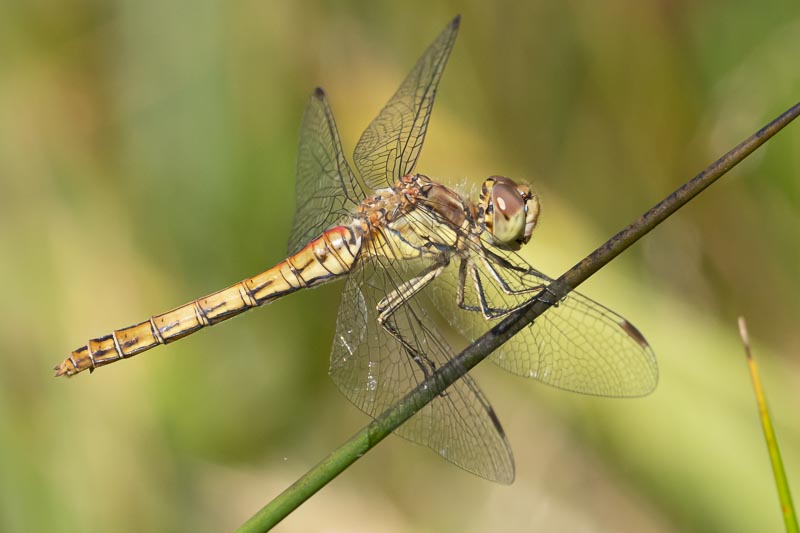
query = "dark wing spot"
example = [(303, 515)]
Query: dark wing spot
[(633, 333)]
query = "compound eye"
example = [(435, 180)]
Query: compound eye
[(509, 214)]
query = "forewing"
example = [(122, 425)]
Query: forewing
[(375, 370), (326, 190), (578, 345), (389, 147)]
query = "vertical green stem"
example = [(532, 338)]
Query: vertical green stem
[(782, 483)]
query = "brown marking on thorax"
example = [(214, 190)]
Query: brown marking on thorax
[(406, 194), (447, 203)]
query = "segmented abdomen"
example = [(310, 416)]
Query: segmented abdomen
[(323, 259)]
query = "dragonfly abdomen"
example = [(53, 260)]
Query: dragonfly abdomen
[(323, 259)]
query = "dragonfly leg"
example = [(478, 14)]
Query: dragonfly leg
[(462, 285), (544, 288), (460, 288), (552, 298), (425, 364), (468, 268), (401, 295), (503, 284), (407, 290)]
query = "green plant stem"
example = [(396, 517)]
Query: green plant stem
[(378, 429), (781, 481)]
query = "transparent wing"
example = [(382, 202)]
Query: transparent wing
[(374, 369), (326, 190), (578, 345), (389, 147)]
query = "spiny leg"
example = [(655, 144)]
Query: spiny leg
[(468, 267), (407, 290), (423, 362), (391, 303), (490, 266), (541, 287)]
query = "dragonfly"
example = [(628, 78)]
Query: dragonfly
[(413, 253)]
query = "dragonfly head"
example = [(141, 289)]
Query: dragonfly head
[(510, 211)]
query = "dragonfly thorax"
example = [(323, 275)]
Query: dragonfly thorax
[(510, 211), (386, 206)]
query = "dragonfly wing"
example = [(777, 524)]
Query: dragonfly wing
[(578, 345), (326, 190), (389, 147), (374, 369)]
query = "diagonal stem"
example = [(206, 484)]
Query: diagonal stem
[(378, 429)]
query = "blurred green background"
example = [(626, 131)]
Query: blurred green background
[(146, 158)]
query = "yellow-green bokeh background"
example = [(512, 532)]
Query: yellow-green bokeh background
[(146, 158)]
